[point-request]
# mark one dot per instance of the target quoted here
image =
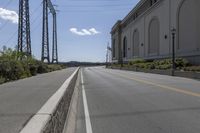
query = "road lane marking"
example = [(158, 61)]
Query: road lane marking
[(160, 85), (87, 115)]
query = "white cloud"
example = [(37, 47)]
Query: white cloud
[(94, 31), (75, 31), (84, 32), (9, 15)]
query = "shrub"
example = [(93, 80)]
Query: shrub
[(139, 65), (26, 72), (2, 80), (162, 62), (181, 63), (42, 67), (163, 67), (158, 64), (167, 63), (149, 66), (54, 67), (192, 68), (33, 69), (136, 61), (11, 70)]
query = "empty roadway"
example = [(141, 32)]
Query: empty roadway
[(133, 102), (21, 99)]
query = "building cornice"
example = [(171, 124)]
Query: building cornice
[(116, 26), (121, 22), (130, 15), (138, 5)]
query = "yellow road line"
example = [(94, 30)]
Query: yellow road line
[(162, 86)]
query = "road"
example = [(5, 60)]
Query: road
[(115, 101), (22, 99)]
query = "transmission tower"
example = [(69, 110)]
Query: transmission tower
[(24, 39), (54, 49), (45, 34)]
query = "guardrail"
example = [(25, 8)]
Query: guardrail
[(51, 117)]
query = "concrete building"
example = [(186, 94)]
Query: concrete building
[(146, 31)]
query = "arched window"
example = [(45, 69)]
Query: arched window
[(125, 47), (189, 26), (136, 43), (154, 34)]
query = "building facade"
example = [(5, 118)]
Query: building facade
[(146, 31)]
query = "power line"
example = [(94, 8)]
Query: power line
[(36, 9), (92, 11), (33, 22), (4, 25), (14, 33), (11, 37), (36, 27), (7, 4), (95, 0), (78, 6)]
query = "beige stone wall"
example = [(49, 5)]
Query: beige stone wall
[(183, 15), (114, 37), (188, 26)]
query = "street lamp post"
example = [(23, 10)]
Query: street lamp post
[(107, 58), (173, 51), (122, 62), (108, 55)]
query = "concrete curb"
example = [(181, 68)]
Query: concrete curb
[(72, 113), (47, 119), (193, 75)]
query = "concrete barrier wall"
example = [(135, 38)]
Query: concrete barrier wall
[(51, 117)]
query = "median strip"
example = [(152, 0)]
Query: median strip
[(51, 117)]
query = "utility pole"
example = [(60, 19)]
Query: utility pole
[(107, 55), (24, 38), (173, 51)]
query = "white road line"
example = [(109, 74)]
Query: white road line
[(87, 115)]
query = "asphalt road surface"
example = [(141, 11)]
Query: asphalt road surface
[(115, 101), (22, 99)]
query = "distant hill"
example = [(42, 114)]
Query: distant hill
[(76, 63)]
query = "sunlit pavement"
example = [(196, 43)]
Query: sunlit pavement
[(132, 102)]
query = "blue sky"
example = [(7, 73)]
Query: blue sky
[(83, 26)]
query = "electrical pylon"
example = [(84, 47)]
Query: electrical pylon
[(54, 48), (24, 38), (45, 33)]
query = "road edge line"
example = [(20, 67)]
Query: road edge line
[(86, 110)]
